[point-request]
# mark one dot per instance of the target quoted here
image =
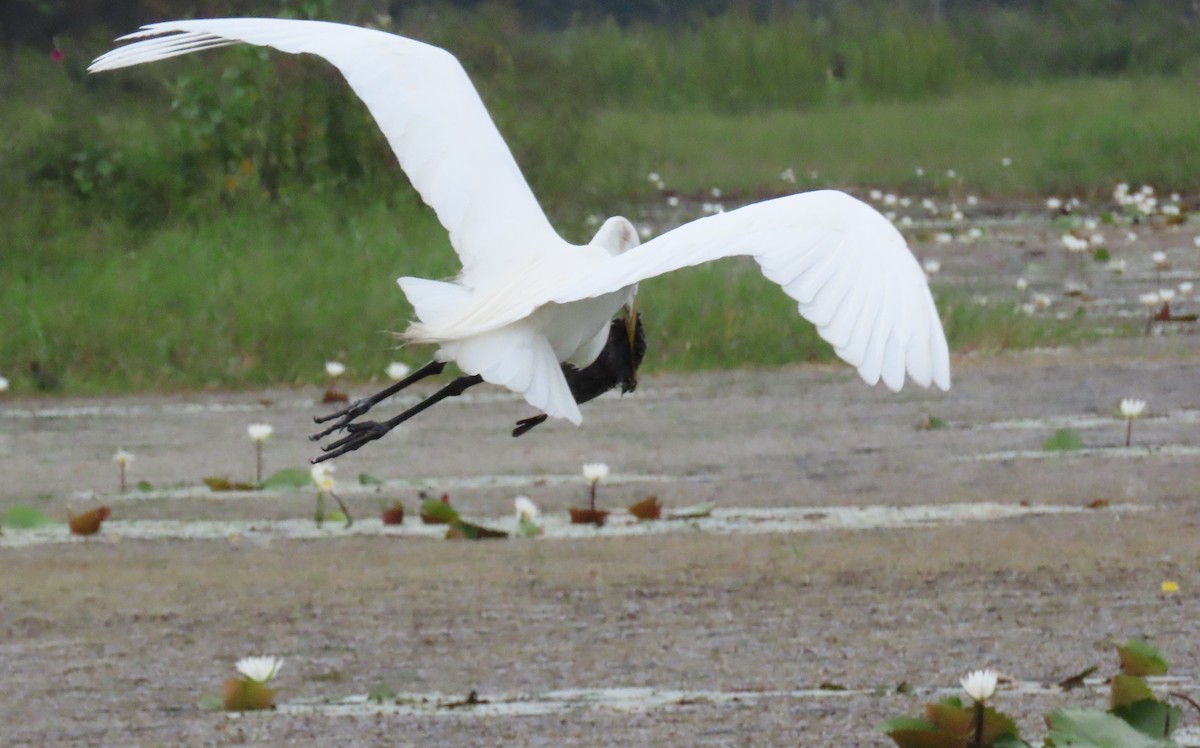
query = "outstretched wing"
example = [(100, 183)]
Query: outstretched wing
[(427, 108), (847, 266)]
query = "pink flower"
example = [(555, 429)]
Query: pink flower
[(56, 55)]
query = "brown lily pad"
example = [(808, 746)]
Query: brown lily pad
[(595, 517), (221, 483), (334, 396), (393, 515), (1098, 504), (649, 508), (246, 695), (88, 523)]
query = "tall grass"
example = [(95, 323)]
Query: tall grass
[(236, 219)]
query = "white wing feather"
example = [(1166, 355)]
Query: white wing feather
[(429, 112), (846, 265)]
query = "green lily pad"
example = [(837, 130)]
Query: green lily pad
[(1064, 440), (1140, 658), (366, 479), (1088, 728), (380, 693), (460, 530), (26, 518), (1151, 717), (1129, 689), (287, 478), (438, 512)]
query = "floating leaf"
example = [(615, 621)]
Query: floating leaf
[(1140, 658), (647, 509), (366, 479), (222, 483), (438, 511), (1064, 440), (696, 511), (89, 523), (26, 518), (288, 478), (955, 719), (380, 693), (914, 732), (1129, 689), (527, 528), (1151, 717), (393, 515), (929, 423), (1088, 728), (1098, 504), (1076, 680), (338, 515), (334, 396), (144, 485), (1101, 255), (461, 530), (243, 695), (595, 517)]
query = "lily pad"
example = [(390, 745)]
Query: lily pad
[(1151, 717), (287, 478), (222, 483), (461, 530), (1088, 728), (26, 518), (438, 511), (1140, 658), (695, 511), (1064, 440), (366, 479)]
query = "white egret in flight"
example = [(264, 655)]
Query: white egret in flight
[(527, 302)]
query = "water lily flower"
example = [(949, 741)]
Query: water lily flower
[(1196, 241), (931, 266), (260, 432), (653, 177), (1186, 287), (397, 370), (673, 201), (972, 200), (906, 220), (3, 384), (122, 458), (335, 368), (788, 175), (951, 173), (594, 472), (1166, 294), (1006, 161), (1131, 408), (943, 237), (980, 685), (975, 233), (1116, 267), (1074, 243), (322, 475), (889, 199), (1159, 259), (1022, 284), (919, 172), (259, 669), (877, 195), (715, 192), (1149, 299), (1041, 300), (526, 509), (1053, 203)]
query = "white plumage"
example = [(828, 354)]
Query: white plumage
[(527, 300)]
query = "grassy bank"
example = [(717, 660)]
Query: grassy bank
[(122, 272)]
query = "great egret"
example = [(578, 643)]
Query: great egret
[(527, 301)]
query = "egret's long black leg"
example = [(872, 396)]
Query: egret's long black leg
[(361, 406), (368, 431)]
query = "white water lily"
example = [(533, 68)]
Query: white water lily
[(335, 368), (260, 432), (322, 475), (1117, 267), (1159, 259), (122, 458), (1006, 161), (931, 266), (1053, 203), (526, 509), (1022, 284), (594, 472), (980, 685), (1131, 408), (1149, 299), (3, 384), (1186, 287), (1166, 294), (398, 370), (259, 669), (1074, 243)]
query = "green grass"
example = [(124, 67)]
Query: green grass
[(194, 286), (1074, 136)]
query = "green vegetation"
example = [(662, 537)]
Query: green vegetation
[(235, 218)]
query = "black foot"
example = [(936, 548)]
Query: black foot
[(344, 416), (525, 424), (360, 434)]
